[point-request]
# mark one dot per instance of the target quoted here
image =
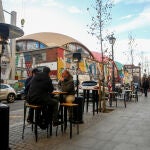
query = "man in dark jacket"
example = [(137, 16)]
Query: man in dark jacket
[(40, 91), (145, 86), (27, 86)]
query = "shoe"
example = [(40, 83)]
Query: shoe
[(30, 121), (59, 116), (57, 123)]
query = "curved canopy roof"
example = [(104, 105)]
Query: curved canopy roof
[(50, 39)]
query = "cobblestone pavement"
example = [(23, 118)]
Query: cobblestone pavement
[(121, 129)]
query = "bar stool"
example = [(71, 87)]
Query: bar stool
[(69, 106), (35, 108)]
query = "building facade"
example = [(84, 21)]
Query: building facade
[(52, 50), (132, 73)]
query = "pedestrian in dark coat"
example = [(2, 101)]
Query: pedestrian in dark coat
[(145, 86)]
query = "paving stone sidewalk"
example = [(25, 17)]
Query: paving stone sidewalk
[(121, 129)]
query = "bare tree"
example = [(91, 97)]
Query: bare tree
[(132, 46), (101, 11)]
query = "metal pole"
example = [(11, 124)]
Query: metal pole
[(77, 78), (0, 65), (2, 19), (132, 62), (113, 76), (13, 48)]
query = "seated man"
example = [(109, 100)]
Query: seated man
[(39, 93), (66, 84), (27, 86)]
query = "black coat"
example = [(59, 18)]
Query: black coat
[(146, 84), (40, 88)]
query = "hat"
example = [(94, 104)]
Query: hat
[(46, 70), (35, 70)]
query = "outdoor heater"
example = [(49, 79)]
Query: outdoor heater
[(7, 31)]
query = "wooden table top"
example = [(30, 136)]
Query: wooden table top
[(91, 89), (58, 92)]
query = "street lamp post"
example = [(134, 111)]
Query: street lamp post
[(112, 40), (139, 73)]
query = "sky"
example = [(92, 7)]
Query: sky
[(70, 17)]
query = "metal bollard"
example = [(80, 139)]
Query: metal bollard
[(4, 127)]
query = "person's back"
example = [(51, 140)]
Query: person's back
[(41, 86), (40, 91), (145, 84)]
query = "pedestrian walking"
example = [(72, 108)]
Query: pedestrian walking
[(145, 86)]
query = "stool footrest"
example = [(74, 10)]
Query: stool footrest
[(33, 106), (68, 104)]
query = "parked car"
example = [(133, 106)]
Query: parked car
[(21, 94), (7, 93), (90, 85)]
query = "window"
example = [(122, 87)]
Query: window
[(42, 45), (21, 46), (2, 86), (39, 57), (31, 45)]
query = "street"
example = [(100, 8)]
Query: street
[(16, 112), (124, 128), (18, 104)]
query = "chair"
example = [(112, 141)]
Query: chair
[(112, 97), (69, 106), (121, 96), (134, 96), (35, 108)]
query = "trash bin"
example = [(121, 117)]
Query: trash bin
[(4, 127), (78, 111)]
